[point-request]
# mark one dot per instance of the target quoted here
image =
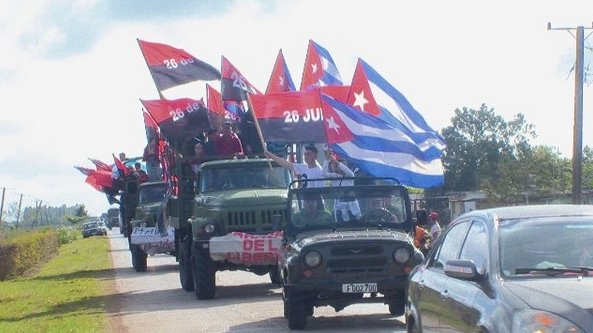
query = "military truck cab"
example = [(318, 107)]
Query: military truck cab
[(344, 245), (232, 222), (145, 237)]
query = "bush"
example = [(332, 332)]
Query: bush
[(23, 253), (67, 235)]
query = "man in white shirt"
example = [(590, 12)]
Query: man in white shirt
[(435, 227), (308, 170)]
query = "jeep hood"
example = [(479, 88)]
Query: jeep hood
[(246, 197), (305, 239)]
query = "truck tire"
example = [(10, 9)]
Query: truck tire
[(204, 275), (397, 307), (185, 266), (275, 276), (296, 312), (138, 258)]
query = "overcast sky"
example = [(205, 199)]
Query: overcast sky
[(71, 72)]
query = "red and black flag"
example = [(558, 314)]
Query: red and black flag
[(100, 165), (150, 126), (294, 117), (235, 86), (101, 180), (280, 80), (171, 66), (214, 100), (84, 171), (180, 118)]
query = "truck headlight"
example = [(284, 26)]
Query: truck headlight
[(536, 321), (312, 259), (401, 255), (209, 228)]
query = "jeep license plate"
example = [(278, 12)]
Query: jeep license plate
[(357, 288)]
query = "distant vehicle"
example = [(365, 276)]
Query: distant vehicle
[(515, 269), (112, 218), (345, 245), (93, 228)]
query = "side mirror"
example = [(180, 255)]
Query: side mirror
[(461, 269), (276, 222)]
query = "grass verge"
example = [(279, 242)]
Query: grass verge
[(69, 294)]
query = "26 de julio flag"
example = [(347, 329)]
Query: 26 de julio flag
[(171, 66), (280, 80), (294, 117), (235, 86), (178, 118), (320, 69), (214, 102)]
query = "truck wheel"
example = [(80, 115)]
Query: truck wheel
[(297, 312), (397, 307), (138, 258), (204, 275), (185, 267), (275, 276)]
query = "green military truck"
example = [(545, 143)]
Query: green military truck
[(145, 238), (228, 222)]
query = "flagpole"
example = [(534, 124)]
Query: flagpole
[(151, 74), (258, 129)]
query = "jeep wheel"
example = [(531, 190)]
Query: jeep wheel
[(296, 312), (204, 275), (397, 307), (185, 267), (138, 258), (275, 276)]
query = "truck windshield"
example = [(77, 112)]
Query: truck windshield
[(242, 177), (347, 207), (150, 194)]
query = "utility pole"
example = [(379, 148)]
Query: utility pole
[(2, 204), (577, 139), (18, 214)]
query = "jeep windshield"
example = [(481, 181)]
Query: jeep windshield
[(243, 176), (347, 207), (152, 193)]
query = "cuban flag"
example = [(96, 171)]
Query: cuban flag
[(320, 69), (378, 148), (371, 93), (280, 80)]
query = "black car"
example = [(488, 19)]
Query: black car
[(515, 269), (346, 244)]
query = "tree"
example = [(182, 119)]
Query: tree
[(480, 145)]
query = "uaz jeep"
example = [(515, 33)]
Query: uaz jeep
[(344, 245)]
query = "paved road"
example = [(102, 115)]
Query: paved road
[(154, 302)]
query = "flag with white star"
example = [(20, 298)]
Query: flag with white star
[(280, 81), (320, 69), (379, 149), (372, 94)]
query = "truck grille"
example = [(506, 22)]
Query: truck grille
[(354, 250), (252, 220), (376, 264)]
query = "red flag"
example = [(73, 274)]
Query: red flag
[(320, 69), (280, 80), (101, 165), (84, 171), (148, 121), (294, 117), (101, 180), (214, 100), (171, 66), (121, 167), (178, 118), (235, 86), (361, 96), (339, 93)]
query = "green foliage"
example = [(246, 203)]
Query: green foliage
[(22, 253), (68, 295), (68, 234), (477, 142), (81, 211)]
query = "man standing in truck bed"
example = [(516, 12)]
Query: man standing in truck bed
[(308, 170)]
